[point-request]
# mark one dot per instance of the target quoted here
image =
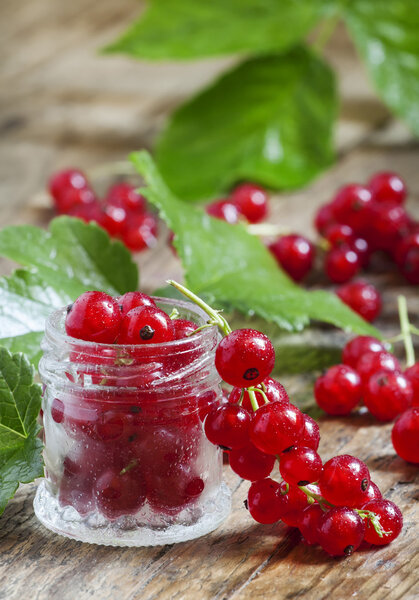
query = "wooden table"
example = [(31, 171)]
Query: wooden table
[(63, 104)]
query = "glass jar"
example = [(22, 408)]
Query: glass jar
[(127, 462)]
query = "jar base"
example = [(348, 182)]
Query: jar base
[(67, 522)]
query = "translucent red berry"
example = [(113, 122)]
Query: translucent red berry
[(339, 390), (75, 200), (309, 523), (390, 519), (372, 362), (141, 232), (225, 210), (276, 426), (250, 463), (410, 266), (57, 410), (294, 501), (94, 317), (373, 492), (405, 435), (244, 358), (120, 493), (251, 201), (146, 325), (339, 234), (388, 223), (310, 435), (228, 426), (300, 465), (264, 501), (359, 346), (386, 395), (124, 195), (351, 206), (341, 264), (324, 218), (340, 531), (183, 328), (387, 187), (362, 297), (114, 219), (131, 300), (65, 180), (274, 392), (295, 254), (412, 374), (344, 480)]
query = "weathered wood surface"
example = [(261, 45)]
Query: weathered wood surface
[(63, 104)]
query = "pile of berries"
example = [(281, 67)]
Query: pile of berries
[(247, 201), (122, 213)]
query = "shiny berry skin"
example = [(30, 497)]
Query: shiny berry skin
[(87, 212), (362, 297), (387, 187), (300, 465), (228, 426), (351, 206), (341, 264), (294, 501), (310, 435), (388, 223), (339, 234), (412, 374), (244, 358), (250, 463), (361, 247), (402, 248), (324, 218), (405, 435), (344, 481), (119, 493), (146, 325), (274, 391), (65, 180), (124, 195), (372, 362), (141, 232), (57, 410), (339, 390), (114, 220), (183, 328), (264, 501), (373, 492), (295, 254), (410, 266), (94, 317), (309, 523), (251, 201), (340, 531), (225, 210), (391, 521), (131, 300), (386, 395), (276, 426), (75, 199), (358, 346)]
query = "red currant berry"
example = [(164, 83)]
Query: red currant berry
[(146, 325), (75, 199), (183, 328), (141, 232), (351, 206), (310, 435), (250, 463), (94, 317), (372, 362), (224, 210), (387, 187), (412, 374), (339, 234), (120, 493), (276, 426), (362, 249), (114, 220), (87, 212), (404, 245), (300, 465), (264, 501), (65, 180), (124, 195), (294, 501), (344, 481), (244, 358), (410, 266), (295, 254), (274, 391), (388, 223), (341, 264), (341, 531), (373, 492), (390, 518), (57, 410), (386, 395), (132, 300), (362, 297), (339, 390), (405, 435), (309, 523), (324, 218), (228, 426), (360, 345), (251, 201)]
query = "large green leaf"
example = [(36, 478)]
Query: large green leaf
[(64, 262), (233, 268), (20, 448), (184, 29), (387, 36), (268, 120)]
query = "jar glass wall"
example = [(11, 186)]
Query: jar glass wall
[(126, 458)]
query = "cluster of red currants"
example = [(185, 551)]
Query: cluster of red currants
[(122, 213), (372, 374), (247, 201), (336, 504)]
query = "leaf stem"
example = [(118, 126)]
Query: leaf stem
[(406, 331)]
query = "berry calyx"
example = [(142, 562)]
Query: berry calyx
[(339, 390), (94, 317), (146, 325)]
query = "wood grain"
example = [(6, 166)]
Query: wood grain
[(63, 104)]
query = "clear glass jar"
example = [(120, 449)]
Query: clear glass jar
[(127, 461)]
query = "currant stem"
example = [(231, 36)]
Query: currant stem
[(406, 331), (174, 314), (267, 230), (414, 329), (253, 401), (215, 315), (374, 520), (314, 496), (259, 391)]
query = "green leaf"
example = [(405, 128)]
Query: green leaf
[(185, 29), (64, 262), (227, 265), (387, 36), (269, 120), (20, 402)]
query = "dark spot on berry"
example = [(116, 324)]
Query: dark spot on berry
[(225, 448), (364, 484), (132, 437), (121, 308), (382, 380), (246, 506), (348, 550), (69, 307), (287, 449), (303, 482), (250, 374), (135, 409), (146, 333)]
